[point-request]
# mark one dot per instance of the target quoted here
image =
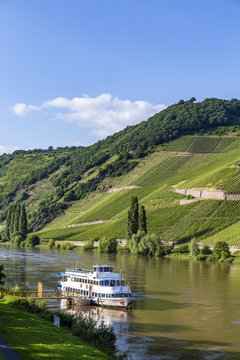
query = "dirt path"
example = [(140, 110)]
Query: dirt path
[(124, 188), (88, 223)]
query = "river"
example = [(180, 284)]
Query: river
[(183, 309)]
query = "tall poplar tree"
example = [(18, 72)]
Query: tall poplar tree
[(132, 224), (142, 219)]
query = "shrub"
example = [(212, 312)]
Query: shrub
[(211, 258), (167, 250), (107, 245), (201, 257), (206, 250), (220, 249), (32, 241), (51, 244), (182, 249), (89, 245)]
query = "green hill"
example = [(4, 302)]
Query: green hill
[(186, 146)]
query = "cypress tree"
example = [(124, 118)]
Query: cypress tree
[(22, 228), (132, 223), (16, 218), (142, 220), (8, 222)]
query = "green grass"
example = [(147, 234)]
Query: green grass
[(34, 338), (224, 143)]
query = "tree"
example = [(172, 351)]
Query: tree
[(193, 247), (221, 249), (107, 245), (2, 276), (16, 223), (132, 223), (22, 222), (142, 219)]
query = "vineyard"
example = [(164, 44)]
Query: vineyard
[(200, 144)]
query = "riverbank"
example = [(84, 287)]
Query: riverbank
[(33, 337)]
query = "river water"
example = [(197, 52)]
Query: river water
[(183, 309)]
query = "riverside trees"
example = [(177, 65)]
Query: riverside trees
[(136, 218), (16, 224)]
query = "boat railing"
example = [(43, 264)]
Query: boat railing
[(80, 271)]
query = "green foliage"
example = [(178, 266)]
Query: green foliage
[(107, 245), (206, 250), (32, 241), (132, 220), (201, 257), (142, 219), (194, 248), (221, 249), (2, 275), (51, 244), (181, 249), (143, 244), (16, 224)]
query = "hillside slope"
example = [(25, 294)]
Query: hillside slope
[(65, 188)]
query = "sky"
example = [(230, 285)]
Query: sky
[(75, 71)]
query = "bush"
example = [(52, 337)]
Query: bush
[(167, 250), (67, 246), (182, 249), (201, 257), (211, 258), (89, 245), (51, 244), (221, 249), (107, 245), (206, 250), (32, 241)]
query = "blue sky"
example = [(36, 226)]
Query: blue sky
[(74, 71)]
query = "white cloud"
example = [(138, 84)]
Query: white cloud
[(22, 109), (104, 114), (8, 149)]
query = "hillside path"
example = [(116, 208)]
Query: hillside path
[(7, 352)]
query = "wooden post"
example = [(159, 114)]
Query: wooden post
[(40, 290)]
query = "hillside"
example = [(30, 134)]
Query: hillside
[(65, 189)]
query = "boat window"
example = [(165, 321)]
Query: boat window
[(101, 269), (115, 295), (117, 282), (106, 269), (111, 269), (101, 283), (122, 282), (103, 295), (112, 282), (106, 282)]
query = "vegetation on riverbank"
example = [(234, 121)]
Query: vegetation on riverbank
[(33, 337), (44, 339)]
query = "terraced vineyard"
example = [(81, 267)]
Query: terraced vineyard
[(156, 175), (200, 144)]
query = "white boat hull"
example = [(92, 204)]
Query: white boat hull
[(118, 302)]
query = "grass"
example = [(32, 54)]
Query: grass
[(231, 235), (34, 338), (180, 144)]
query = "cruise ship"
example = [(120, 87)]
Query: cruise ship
[(101, 285)]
